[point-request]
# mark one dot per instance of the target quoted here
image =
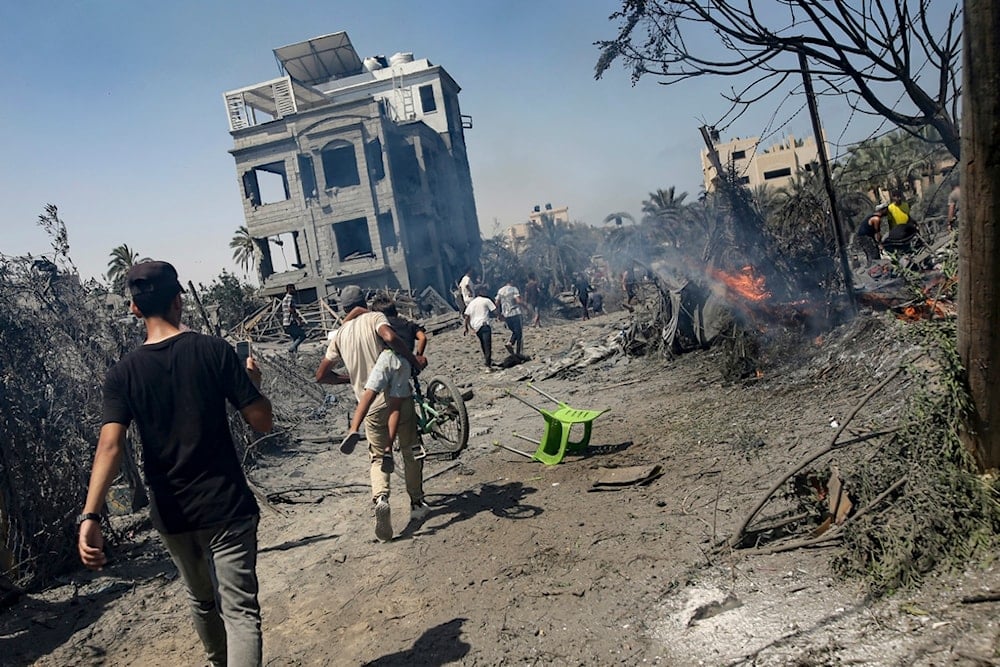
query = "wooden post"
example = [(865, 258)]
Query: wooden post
[(824, 164), (978, 238)]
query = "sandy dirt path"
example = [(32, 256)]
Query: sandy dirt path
[(522, 563)]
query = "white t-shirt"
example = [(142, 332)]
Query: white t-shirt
[(287, 308), (507, 298), (465, 287), (479, 310)]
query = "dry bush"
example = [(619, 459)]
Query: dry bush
[(57, 338), (946, 516)]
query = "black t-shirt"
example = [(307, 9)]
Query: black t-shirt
[(176, 392), (406, 330), (531, 293), (865, 228)]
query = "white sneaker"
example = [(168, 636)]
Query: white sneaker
[(419, 511), (383, 519)]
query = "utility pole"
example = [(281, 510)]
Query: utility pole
[(824, 164), (979, 230), (713, 155)]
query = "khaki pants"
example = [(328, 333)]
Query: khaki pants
[(377, 433)]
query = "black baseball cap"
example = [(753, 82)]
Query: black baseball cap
[(159, 278)]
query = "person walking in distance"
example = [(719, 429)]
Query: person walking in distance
[(357, 345), (582, 288), (508, 301), (954, 204), (477, 317), (175, 388), (467, 288), (291, 320), (628, 287), (532, 299)]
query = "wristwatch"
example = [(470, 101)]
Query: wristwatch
[(88, 516)]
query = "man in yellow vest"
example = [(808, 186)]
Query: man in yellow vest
[(899, 210)]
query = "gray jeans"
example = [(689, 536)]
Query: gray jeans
[(219, 568)]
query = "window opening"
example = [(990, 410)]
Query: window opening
[(373, 154), (340, 165), (387, 230), (427, 102), (266, 184), (286, 246), (308, 175), (777, 173), (353, 239)]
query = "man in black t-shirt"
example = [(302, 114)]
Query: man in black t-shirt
[(175, 388)]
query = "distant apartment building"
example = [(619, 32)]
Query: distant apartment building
[(518, 234), (354, 171), (557, 214), (772, 167)]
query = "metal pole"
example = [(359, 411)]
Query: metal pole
[(838, 230)]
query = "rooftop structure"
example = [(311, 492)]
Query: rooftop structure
[(354, 171)]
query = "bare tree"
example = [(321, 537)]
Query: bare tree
[(873, 52)]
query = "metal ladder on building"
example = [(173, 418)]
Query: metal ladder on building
[(404, 97)]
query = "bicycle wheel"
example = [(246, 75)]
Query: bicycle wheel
[(449, 427)]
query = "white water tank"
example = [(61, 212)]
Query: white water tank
[(400, 58), (371, 64)]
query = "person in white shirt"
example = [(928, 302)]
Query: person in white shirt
[(508, 300), (466, 289), (477, 316)]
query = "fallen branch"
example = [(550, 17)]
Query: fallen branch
[(738, 537), (835, 532), (833, 445)]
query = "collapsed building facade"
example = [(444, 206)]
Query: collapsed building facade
[(354, 172)]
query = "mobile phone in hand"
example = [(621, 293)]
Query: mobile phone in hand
[(243, 350)]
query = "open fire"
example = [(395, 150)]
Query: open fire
[(746, 284)]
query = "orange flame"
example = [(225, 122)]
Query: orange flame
[(746, 284), (930, 309)]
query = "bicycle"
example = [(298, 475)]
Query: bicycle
[(441, 415)]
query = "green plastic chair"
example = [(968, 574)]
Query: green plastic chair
[(555, 441)]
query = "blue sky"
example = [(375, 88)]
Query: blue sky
[(114, 113)]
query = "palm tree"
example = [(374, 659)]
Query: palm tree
[(555, 245), (244, 249), (123, 258), (626, 244), (618, 218), (499, 262), (662, 213), (765, 200)]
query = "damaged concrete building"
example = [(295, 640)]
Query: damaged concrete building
[(354, 171)]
